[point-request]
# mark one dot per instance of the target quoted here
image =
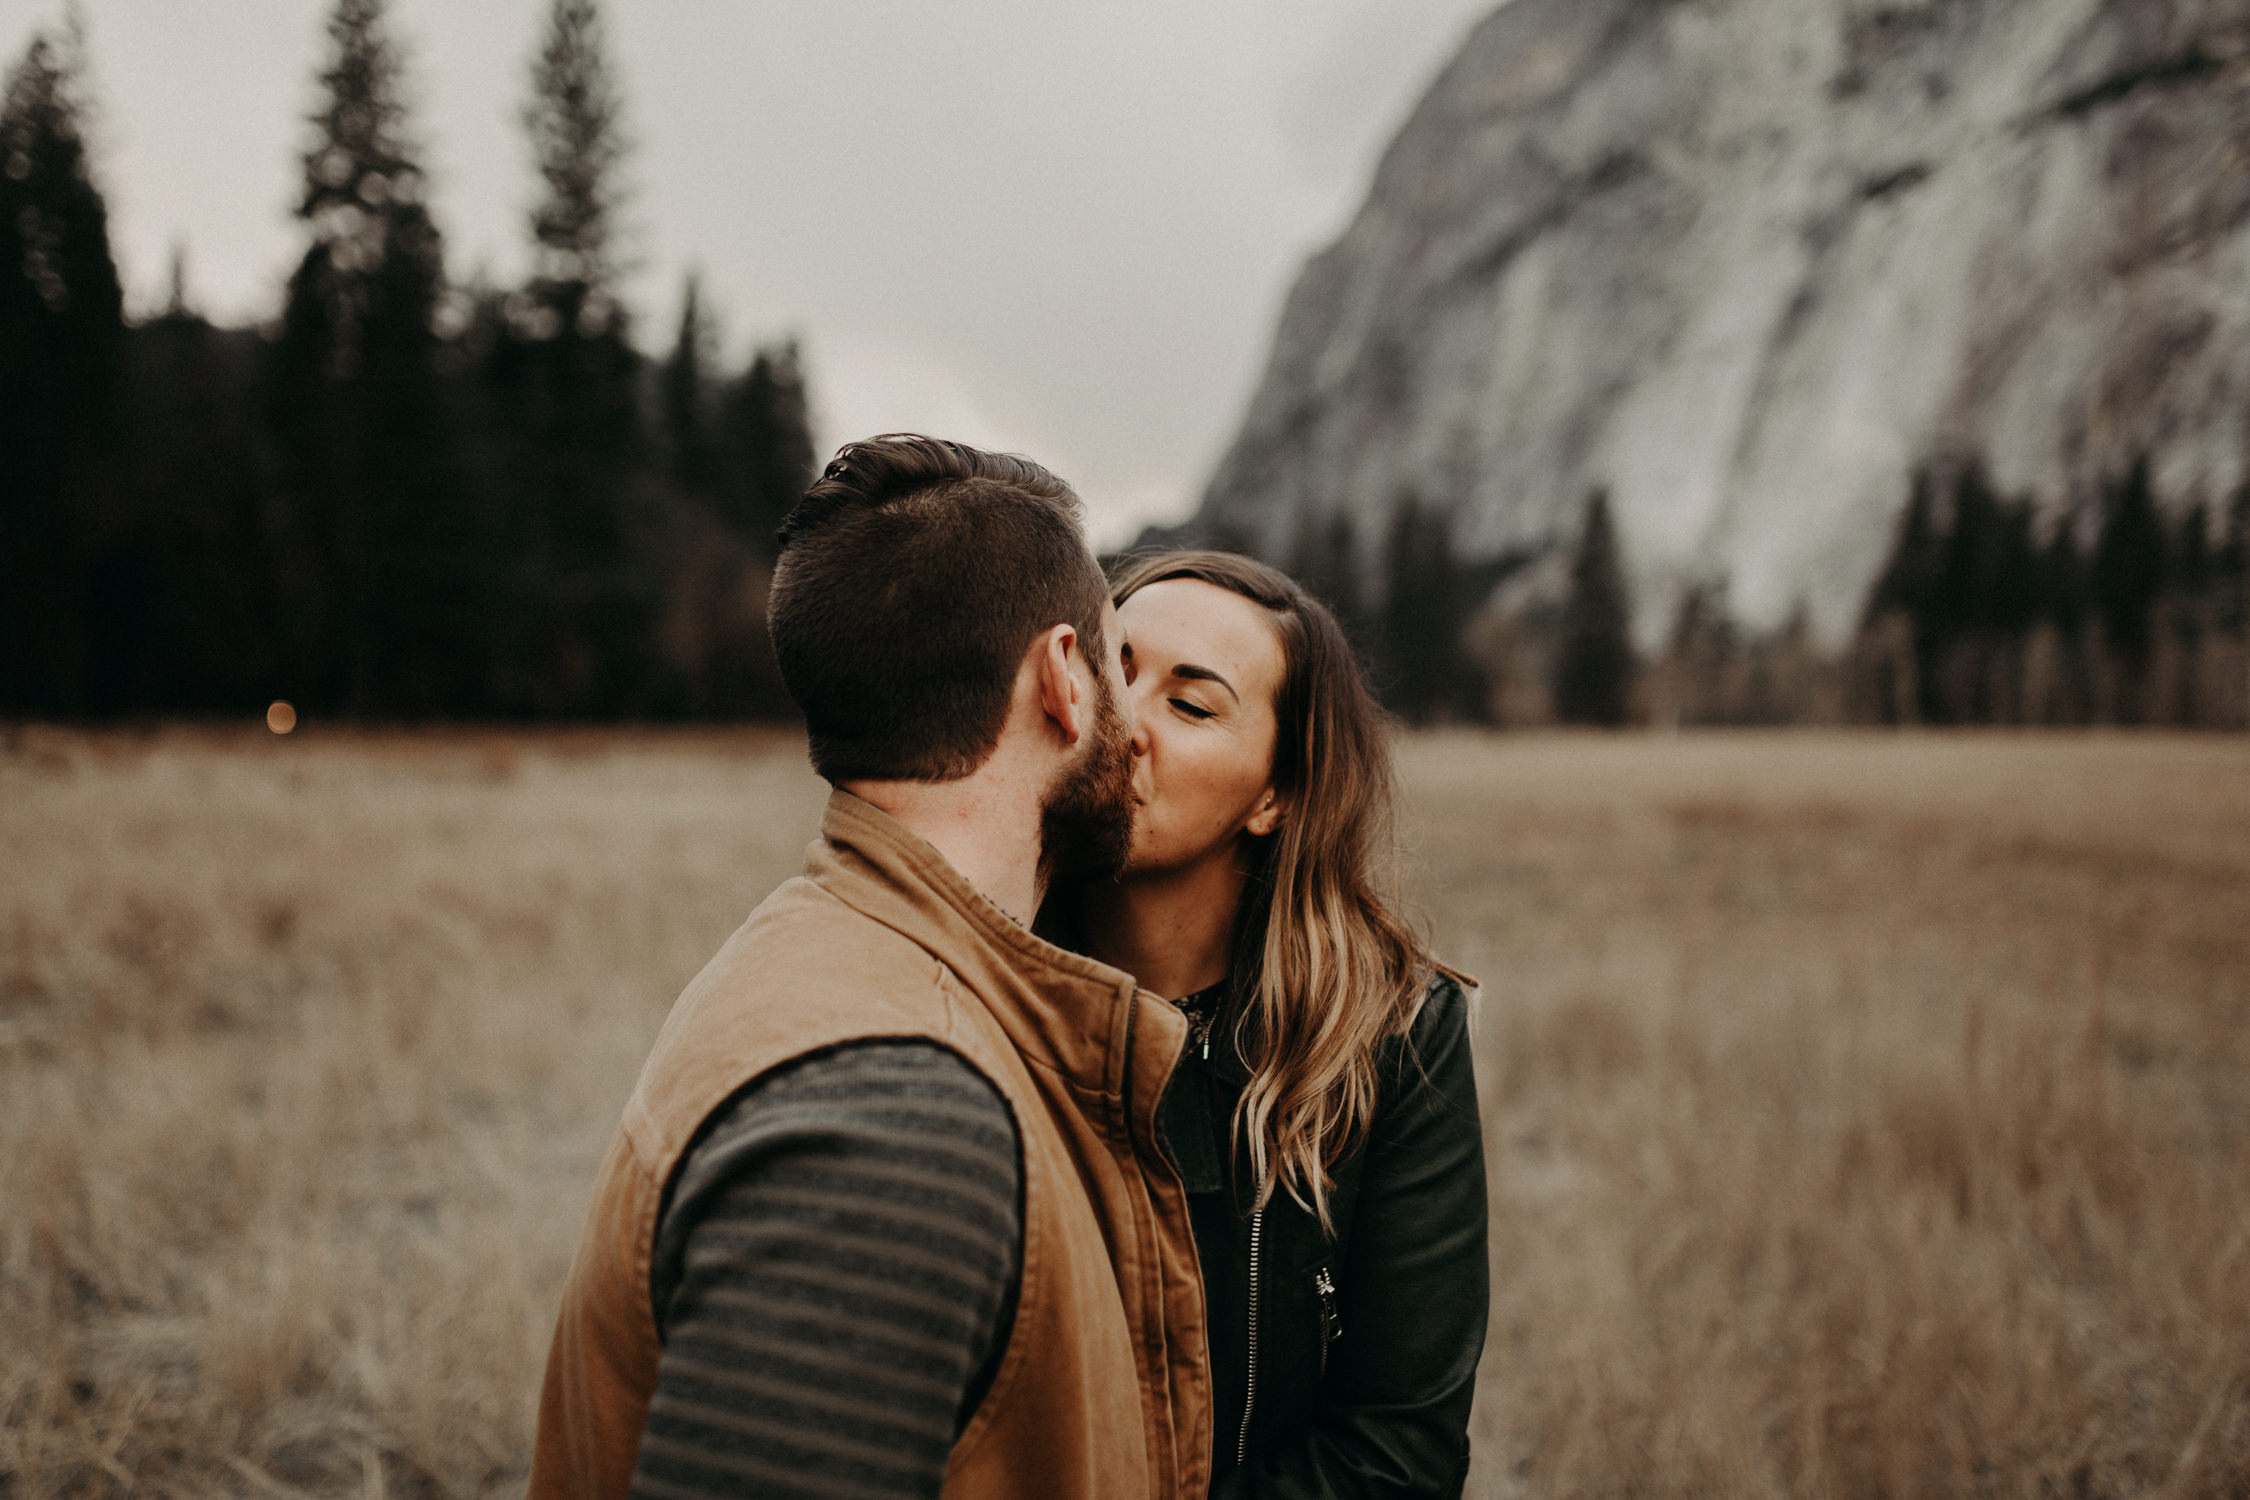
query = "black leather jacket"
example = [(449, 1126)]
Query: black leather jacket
[(1345, 1366)]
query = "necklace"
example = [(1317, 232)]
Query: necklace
[(1202, 1012)]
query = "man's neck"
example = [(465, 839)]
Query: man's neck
[(985, 827), (1171, 930)]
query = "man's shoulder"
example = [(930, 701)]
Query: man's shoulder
[(805, 972), (806, 950), (804, 935)]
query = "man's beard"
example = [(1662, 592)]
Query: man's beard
[(1086, 818)]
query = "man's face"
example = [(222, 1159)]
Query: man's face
[(1087, 815)]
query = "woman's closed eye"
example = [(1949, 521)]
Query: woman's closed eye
[(1192, 710)]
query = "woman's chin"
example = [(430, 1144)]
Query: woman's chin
[(1144, 859), (1148, 859)]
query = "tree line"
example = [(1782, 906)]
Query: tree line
[(1448, 638), (407, 497), (404, 497), (2129, 612), (1988, 610)]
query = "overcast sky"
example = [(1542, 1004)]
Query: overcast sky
[(1058, 226)]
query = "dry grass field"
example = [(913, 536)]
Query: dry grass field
[(1868, 1116)]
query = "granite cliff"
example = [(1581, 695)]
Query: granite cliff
[(1745, 263)]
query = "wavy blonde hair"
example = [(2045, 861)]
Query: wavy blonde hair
[(1323, 971)]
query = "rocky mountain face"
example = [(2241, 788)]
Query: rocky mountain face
[(1746, 263)]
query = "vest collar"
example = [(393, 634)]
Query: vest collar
[(1063, 1011)]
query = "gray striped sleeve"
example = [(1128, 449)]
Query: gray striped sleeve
[(834, 1277)]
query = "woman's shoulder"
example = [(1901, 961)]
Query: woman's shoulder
[(1443, 1003), (1436, 1033), (1428, 1070)]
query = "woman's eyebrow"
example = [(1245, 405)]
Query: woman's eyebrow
[(1205, 674)]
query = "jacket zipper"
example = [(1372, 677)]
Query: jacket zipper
[(1331, 1323), (1250, 1391)]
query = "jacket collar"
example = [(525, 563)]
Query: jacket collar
[(1063, 1011)]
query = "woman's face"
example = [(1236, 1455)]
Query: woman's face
[(1203, 665)]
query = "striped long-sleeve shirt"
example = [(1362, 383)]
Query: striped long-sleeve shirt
[(834, 1278)]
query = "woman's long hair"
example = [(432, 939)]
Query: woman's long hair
[(1323, 970)]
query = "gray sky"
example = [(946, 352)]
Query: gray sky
[(1064, 228)]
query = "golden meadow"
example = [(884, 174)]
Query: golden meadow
[(1867, 1115)]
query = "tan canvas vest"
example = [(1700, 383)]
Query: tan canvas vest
[(1105, 1387)]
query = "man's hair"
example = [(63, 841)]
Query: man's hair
[(913, 577)]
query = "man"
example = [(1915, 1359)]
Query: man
[(886, 1215)]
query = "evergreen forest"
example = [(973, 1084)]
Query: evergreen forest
[(403, 497)]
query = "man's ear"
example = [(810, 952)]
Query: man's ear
[(1267, 815), (1067, 701)]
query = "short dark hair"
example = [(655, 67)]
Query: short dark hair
[(912, 578)]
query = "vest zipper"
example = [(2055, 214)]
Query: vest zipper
[(1250, 1391)]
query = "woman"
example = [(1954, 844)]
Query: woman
[(1324, 1117)]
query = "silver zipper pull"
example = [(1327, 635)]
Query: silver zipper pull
[(1331, 1321)]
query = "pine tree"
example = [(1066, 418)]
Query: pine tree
[(2231, 570), (2197, 560), (2232, 584), (2064, 589), (63, 304), (1983, 583), (61, 341), (386, 605), (362, 199), (1981, 600), (2062, 602), (2129, 575), (1910, 577), (2012, 566), (769, 427), (686, 396), (1922, 580), (586, 523), (2194, 608), (1327, 563), (1702, 652), (1425, 673), (176, 301), (575, 119), (1594, 665)]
